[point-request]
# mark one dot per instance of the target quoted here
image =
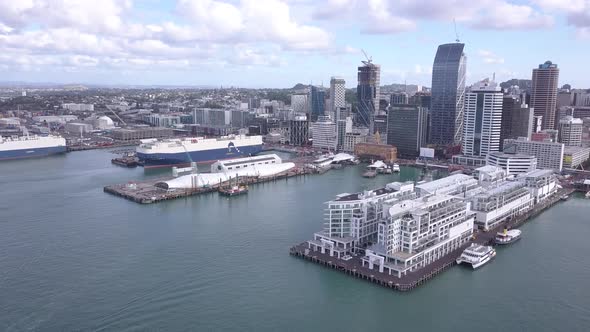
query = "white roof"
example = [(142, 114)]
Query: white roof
[(587, 182), (342, 157), (452, 180), (378, 164)]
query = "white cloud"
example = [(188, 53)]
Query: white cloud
[(490, 57), (577, 12), (84, 33), (393, 16)]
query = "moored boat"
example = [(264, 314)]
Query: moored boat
[(233, 190), (507, 236), (476, 255)]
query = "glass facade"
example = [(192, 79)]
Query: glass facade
[(317, 102), (448, 92)]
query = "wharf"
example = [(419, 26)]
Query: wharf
[(417, 278), (146, 192)]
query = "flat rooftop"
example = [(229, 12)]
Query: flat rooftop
[(357, 196)]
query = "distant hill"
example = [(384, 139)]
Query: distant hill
[(299, 86), (522, 84)]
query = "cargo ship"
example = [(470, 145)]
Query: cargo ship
[(30, 146), (182, 151)]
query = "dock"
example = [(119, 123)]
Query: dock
[(146, 192), (412, 280)]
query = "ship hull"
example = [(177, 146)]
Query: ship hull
[(31, 153), (153, 160)]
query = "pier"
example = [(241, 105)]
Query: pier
[(412, 280), (146, 192)]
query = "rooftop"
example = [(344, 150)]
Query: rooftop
[(358, 196)]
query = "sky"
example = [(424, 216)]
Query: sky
[(278, 43)]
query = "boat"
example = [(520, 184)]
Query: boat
[(233, 190), (396, 168), (564, 197), (182, 151), (507, 236), (587, 195), (17, 147), (476, 255)]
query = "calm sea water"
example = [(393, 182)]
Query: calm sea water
[(75, 258)]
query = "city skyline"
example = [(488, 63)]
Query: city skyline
[(279, 43)]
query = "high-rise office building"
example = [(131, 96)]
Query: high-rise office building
[(398, 98), (544, 94), (517, 119), (317, 100), (324, 134), (407, 128), (337, 96), (368, 92), (448, 92), (570, 131), (483, 119)]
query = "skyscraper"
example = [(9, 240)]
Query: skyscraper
[(448, 92), (317, 102), (517, 119), (368, 92), (544, 95), (337, 96), (483, 119), (406, 128)]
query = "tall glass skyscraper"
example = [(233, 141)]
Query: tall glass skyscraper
[(367, 91), (317, 101), (448, 93)]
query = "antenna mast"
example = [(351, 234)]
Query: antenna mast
[(456, 34)]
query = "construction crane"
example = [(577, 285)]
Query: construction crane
[(456, 34), (369, 59)]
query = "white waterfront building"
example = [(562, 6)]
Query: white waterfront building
[(549, 154), (350, 220), (418, 232), (404, 227), (541, 184), (241, 163), (500, 202), (512, 163), (482, 120)]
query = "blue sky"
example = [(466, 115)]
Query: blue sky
[(277, 43)]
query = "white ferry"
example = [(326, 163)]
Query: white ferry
[(477, 255), (507, 236), (396, 168)]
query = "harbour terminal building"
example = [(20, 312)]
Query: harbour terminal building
[(403, 227)]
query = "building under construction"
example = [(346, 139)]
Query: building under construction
[(369, 75)]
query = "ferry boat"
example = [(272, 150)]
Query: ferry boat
[(396, 168), (477, 255), (507, 236), (587, 195), (182, 151), (31, 146)]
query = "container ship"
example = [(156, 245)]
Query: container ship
[(182, 151), (31, 146)]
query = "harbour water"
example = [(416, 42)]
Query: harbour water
[(75, 258)]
